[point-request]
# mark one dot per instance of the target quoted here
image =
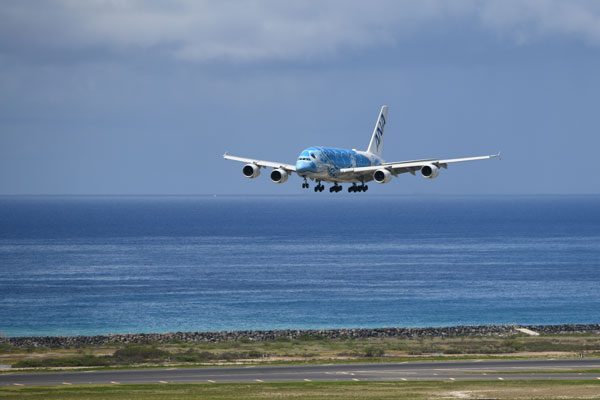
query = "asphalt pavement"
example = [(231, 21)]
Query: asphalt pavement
[(405, 371)]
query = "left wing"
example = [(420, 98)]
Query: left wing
[(415, 165), (261, 163)]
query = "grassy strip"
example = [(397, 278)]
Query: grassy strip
[(318, 390), (308, 349), (129, 355)]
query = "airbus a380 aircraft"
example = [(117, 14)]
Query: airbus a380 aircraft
[(327, 164)]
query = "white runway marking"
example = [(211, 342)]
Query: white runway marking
[(211, 381), (163, 382), (403, 379), (356, 380), (391, 371), (66, 383), (114, 383), (500, 379), (20, 384), (259, 380), (307, 380), (452, 379)]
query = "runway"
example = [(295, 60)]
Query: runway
[(408, 371)]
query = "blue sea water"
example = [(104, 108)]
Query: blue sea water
[(92, 265)]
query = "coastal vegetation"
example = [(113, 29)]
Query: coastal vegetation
[(305, 348)]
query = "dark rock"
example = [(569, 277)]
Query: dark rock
[(289, 334)]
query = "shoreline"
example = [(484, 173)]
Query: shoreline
[(291, 334)]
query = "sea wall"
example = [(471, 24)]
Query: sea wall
[(289, 334)]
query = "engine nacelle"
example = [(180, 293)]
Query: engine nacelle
[(382, 176), (251, 171), (429, 171), (279, 175)]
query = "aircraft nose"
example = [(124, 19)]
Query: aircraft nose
[(303, 166)]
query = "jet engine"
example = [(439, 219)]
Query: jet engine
[(382, 176), (429, 171), (279, 175), (251, 171)]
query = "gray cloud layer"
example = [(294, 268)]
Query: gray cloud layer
[(251, 31), (144, 97)]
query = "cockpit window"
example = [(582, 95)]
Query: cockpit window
[(312, 155)]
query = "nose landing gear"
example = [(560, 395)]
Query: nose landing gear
[(305, 184)]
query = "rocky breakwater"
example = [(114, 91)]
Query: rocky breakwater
[(288, 334)]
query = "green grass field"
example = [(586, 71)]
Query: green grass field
[(315, 390), (308, 349)]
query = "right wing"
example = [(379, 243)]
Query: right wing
[(261, 163)]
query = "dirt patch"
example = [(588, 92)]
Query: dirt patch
[(459, 394), (526, 393)]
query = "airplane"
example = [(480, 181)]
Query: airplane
[(328, 164)]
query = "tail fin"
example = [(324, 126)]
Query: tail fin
[(376, 144)]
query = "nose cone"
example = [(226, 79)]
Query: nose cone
[(304, 166)]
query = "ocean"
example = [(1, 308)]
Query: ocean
[(96, 265)]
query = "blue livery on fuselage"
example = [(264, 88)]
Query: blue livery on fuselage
[(326, 162)]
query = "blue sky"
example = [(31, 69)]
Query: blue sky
[(133, 97)]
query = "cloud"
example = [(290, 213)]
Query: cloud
[(256, 31), (527, 21)]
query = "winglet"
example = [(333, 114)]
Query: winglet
[(498, 155), (225, 154)]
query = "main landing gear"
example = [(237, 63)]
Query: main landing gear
[(319, 187), (358, 188), (335, 188)]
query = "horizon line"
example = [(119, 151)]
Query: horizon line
[(286, 195)]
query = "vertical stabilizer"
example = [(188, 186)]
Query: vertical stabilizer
[(376, 144)]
